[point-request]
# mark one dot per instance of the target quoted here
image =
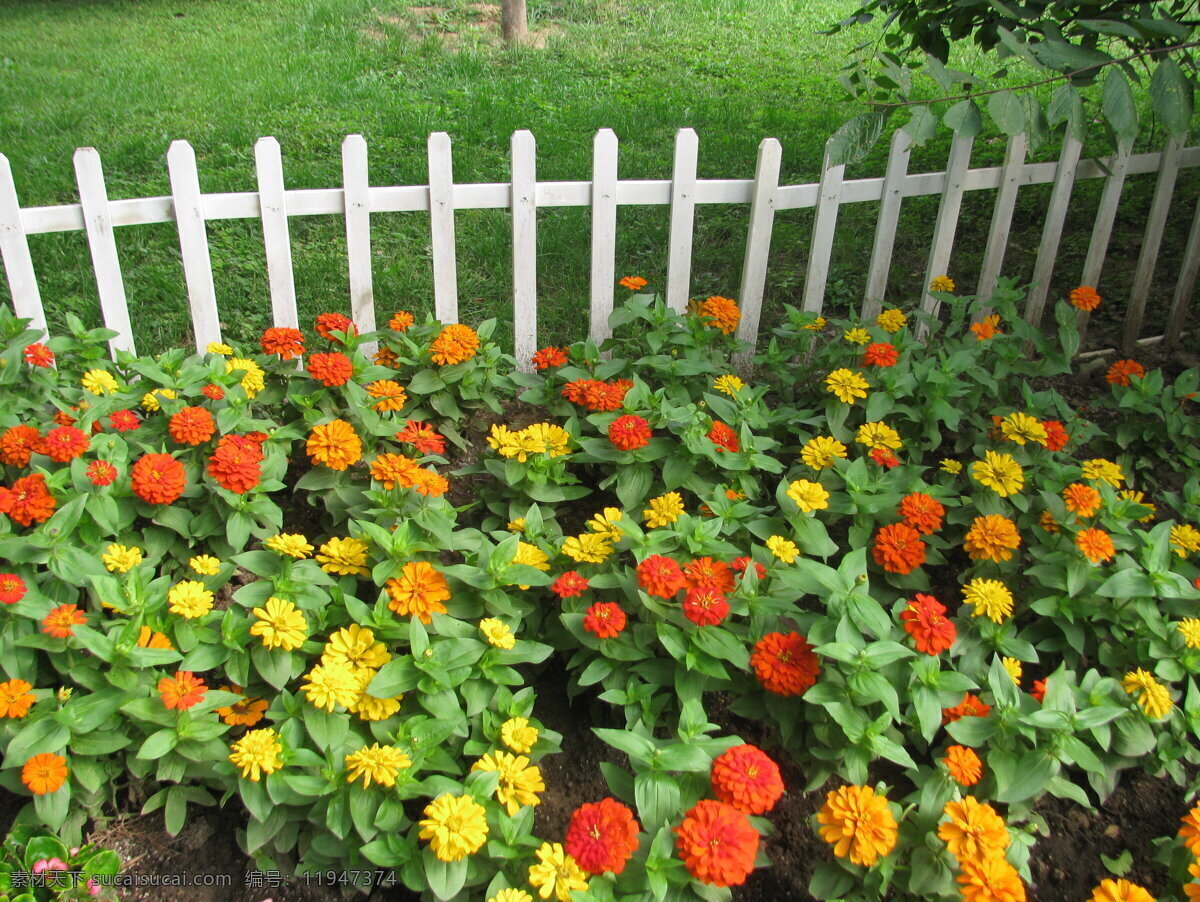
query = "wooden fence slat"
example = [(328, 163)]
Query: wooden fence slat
[(1188, 271), (268, 164), (193, 243), (683, 219), (1056, 217), (441, 228), (93, 197), (356, 185), (946, 224), (1156, 221), (758, 244), (885, 226), (14, 251), (524, 226), (1002, 213), (829, 199), (604, 232), (1106, 214)]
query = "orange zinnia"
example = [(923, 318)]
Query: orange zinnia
[(37, 354), (1190, 831), (720, 313), (63, 444), (235, 464), (394, 469), (418, 592), (596, 395), (857, 822), (970, 706), (990, 880), (28, 501), (332, 369), (61, 622), (334, 444), (746, 778), (123, 420), (101, 473), (1122, 890), (243, 713), (925, 620), (1122, 371), (880, 353), (602, 836), (13, 588), (192, 426), (389, 395), (327, 323), (717, 843), (15, 698), (1096, 545), (708, 573), (427, 482), (785, 663), (922, 512), (182, 691), (987, 328), (633, 283), (158, 478), (285, 342), (456, 343), (963, 765), (1056, 435), (724, 437), (1081, 500), (898, 548), (974, 831), (422, 436), (44, 773), (17, 445), (401, 321), (660, 576), (1084, 298), (549, 357), (629, 432), (604, 620), (992, 538)]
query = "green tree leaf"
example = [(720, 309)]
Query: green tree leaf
[(1171, 97)]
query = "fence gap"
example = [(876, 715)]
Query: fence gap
[(1056, 217), (946, 223), (604, 232), (885, 227), (758, 243), (268, 163), (1106, 214), (14, 252), (683, 219), (524, 248), (356, 188), (1002, 214), (97, 222), (441, 228), (193, 243), (1187, 281), (829, 198)]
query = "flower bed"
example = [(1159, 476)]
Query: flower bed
[(325, 584)]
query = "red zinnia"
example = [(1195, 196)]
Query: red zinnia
[(28, 500), (704, 572), (660, 576), (925, 620), (740, 564), (922, 512), (123, 420), (192, 426), (61, 622), (328, 323), (548, 357), (880, 353), (604, 620), (235, 463), (569, 585), (158, 478), (37, 354), (602, 836), (724, 437), (182, 691), (746, 778), (1122, 371), (12, 588), (785, 663), (1039, 690), (970, 706), (705, 606), (101, 472), (63, 444), (213, 391), (17, 445), (596, 395), (62, 418), (1056, 435), (898, 548), (422, 436), (1084, 297), (884, 457), (717, 843), (629, 432), (285, 342), (330, 370)]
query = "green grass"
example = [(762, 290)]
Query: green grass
[(129, 76)]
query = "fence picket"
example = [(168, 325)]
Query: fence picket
[(441, 228), (1188, 271), (947, 222), (1139, 292), (524, 226), (193, 243), (1002, 213), (683, 219), (829, 199), (604, 232), (885, 226), (268, 164), (758, 243), (1106, 214), (1056, 217), (97, 223), (357, 187), (14, 251)]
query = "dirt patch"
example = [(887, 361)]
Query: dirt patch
[(453, 27)]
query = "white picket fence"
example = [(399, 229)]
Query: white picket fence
[(524, 195)]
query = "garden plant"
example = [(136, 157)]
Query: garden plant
[(319, 579)]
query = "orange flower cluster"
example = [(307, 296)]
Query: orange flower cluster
[(717, 843), (397, 470), (604, 619), (785, 663), (720, 313), (922, 512), (28, 500), (988, 327), (401, 321), (192, 426), (235, 464), (328, 323), (549, 357), (422, 436), (629, 432), (880, 353), (331, 370), (418, 591), (63, 444), (963, 765), (724, 437), (660, 576), (898, 548), (1122, 371), (596, 395), (977, 837), (746, 778), (17, 445), (602, 836), (456, 343), (925, 620), (334, 444), (12, 588), (158, 478), (285, 342)]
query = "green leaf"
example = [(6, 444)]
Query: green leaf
[(1007, 112), (1171, 97), (963, 118), (638, 748), (446, 878), (922, 125), (45, 735), (1119, 108), (1022, 778), (657, 798), (855, 138), (158, 744), (1066, 105)]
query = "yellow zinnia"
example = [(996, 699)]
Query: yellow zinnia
[(1152, 695), (189, 599), (877, 435), (990, 598), (290, 544), (999, 472), (257, 753), (456, 826), (846, 385), (345, 557), (809, 496), (588, 547), (556, 873), (664, 510), (121, 558), (820, 452), (376, 763), (280, 624), (784, 549), (497, 633), (99, 382)]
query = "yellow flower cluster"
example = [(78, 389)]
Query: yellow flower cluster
[(594, 546), (1152, 695), (540, 438), (121, 558), (820, 452), (349, 662), (664, 510), (519, 783)]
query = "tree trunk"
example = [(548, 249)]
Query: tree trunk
[(514, 27)]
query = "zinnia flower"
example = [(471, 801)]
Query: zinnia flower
[(344, 557), (569, 585), (158, 478), (376, 763), (745, 777), (1081, 500), (846, 385), (120, 558), (591, 548), (820, 452), (970, 706), (724, 437), (243, 713), (388, 395), (720, 313), (61, 622), (707, 573), (235, 464), (963, 765), (1190, 831), (974, 831), (17, 445), (891, 321), (549, 357), (858, 824), (12, 588), (182, 691), (328, 323), (285, 342), (332, 369), (1099, 469), (705, 606), (1121, 890), (334, 444), (289, 544), (998, 472), (728, 384), (422, 436), (784, 549), (604, 620), (456, 343), (941, 283), (328, 685), (418, 592), (1184, 539), (192, 426), (15, 698), (189, 599), (878, 437), (37, 354), (1095, 544), (28, 501), (355, 647), (65, 443), (1122, 371), (1056, 435), (990, 598), (628, 433), (785, 663), (1188, 627), (898, 548), (992, 538), (988, 327), (924, 618), (664, 510), (602, 836), (519, 781), (633, 283), (257, 753), (518, 735), (882, 354), (717, 843), (280, 624), (497, 633), (922, 512), (1084, 298), (253, 378), (44, 773), (660, 576), (456, 826), (1152, 695), (809, 496), (990, 880), (101, 473)]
